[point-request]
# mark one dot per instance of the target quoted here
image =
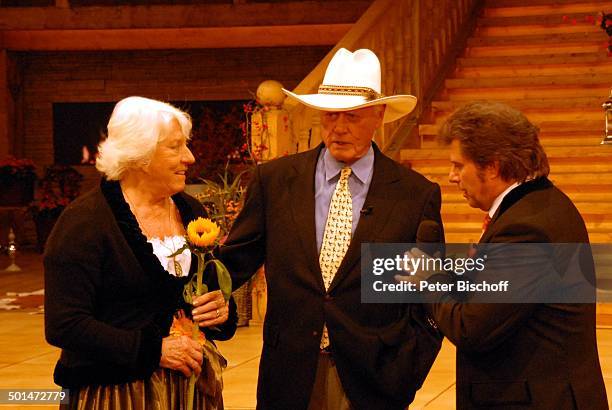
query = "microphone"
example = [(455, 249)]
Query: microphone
[(429, 237), (367, 210)]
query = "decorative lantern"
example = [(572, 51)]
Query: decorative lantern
[(12, 251), (607, 106)]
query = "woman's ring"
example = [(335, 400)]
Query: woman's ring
[(218, 314)]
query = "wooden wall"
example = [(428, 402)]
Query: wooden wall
[(166, 75)]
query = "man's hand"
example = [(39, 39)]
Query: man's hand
[(183, 354), (210, 309)]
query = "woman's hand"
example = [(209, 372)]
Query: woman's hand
[(210, 309), (183, 354)]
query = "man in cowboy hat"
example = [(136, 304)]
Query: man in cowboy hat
[(305, 217)]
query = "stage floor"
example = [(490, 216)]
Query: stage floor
[(27, 360)]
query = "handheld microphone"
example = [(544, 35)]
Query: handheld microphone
[(429, 237)]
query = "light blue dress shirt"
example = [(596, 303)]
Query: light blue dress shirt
[(326, 177)]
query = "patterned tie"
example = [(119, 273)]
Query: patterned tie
[(337, 235)]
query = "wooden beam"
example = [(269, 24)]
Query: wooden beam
[(160, 39), (179, 16)]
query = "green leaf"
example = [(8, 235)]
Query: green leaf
[(224, 279), (187, 294), (179, 250)]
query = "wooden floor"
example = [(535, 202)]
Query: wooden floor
[(27, 360)]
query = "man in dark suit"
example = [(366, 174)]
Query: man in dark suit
[(517, 356), (305, 217)]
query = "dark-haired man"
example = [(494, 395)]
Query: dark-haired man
[(517, 356)]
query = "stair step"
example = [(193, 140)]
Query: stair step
[(453, 235), (541, 116), (520, 3), (537, 80), (531, 104), (556, 169), (556, 58), (528, 70), (537, 49), (585, 208), (540, 20), (470, 232), (476, 216), (455, 196), (558, 164), (547, 142), (555, 162), (547, 9), (586, 153), (548, 39), (528, 92), (545, 126), (586, 180), (583, 26), (476, 226)]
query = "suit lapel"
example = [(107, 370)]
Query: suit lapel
[(513, 197), (301, 187), (381, 207)]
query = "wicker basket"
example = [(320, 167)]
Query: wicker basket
[(242, 297)]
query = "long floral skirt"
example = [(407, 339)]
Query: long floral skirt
[(164, 390)]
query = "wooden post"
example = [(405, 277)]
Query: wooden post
[(11, 120), (6, 106)]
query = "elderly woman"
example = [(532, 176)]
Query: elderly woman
[(112, 288)]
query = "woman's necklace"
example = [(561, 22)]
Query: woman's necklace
[(177, 266)]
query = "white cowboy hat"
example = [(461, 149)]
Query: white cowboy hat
[(352, 81)]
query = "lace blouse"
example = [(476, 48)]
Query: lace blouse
[(162, 248)]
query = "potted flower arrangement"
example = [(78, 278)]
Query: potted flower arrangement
[(17, 177), (60, 186), (223, 197)]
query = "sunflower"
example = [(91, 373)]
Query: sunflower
[(202, 232)]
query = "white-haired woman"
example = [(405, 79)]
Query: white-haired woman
[(112, 290)]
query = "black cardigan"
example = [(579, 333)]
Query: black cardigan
[(108, 300)]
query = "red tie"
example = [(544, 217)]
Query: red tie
[(473, 250), (486, 222)]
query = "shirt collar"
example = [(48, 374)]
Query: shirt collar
[(497, 202), (361, 168)]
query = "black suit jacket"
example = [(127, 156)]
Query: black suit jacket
[(527, 356), (382, 351), (108, 300)]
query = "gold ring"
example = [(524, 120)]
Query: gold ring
[(218, 314)]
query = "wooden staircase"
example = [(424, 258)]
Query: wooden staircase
[(549, 60)]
